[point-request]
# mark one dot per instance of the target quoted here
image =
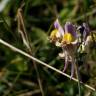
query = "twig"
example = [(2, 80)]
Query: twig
[(78, 77), (22, 30), (42, 63)]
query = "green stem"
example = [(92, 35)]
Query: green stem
[(78, 77)]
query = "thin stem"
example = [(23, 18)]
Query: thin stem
[(25, 38), (42, 63), (78, 77)]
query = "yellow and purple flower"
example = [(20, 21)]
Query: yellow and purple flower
[(57, 33), (67, 38)]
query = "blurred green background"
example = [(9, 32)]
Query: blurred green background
[(18, 76)]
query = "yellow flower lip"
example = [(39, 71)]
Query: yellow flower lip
[(53, 35), (67, 38)]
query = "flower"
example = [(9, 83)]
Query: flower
[(70, 28), (57, 26), (85, 37), (70, 33), (57, 33), (64, 38), (68, 46), (84, 30), (68, 39)]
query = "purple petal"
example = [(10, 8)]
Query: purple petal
[(69, 27), (59, 27), (56, 24), (86, 30)]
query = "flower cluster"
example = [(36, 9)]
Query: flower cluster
[(71, 39)]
